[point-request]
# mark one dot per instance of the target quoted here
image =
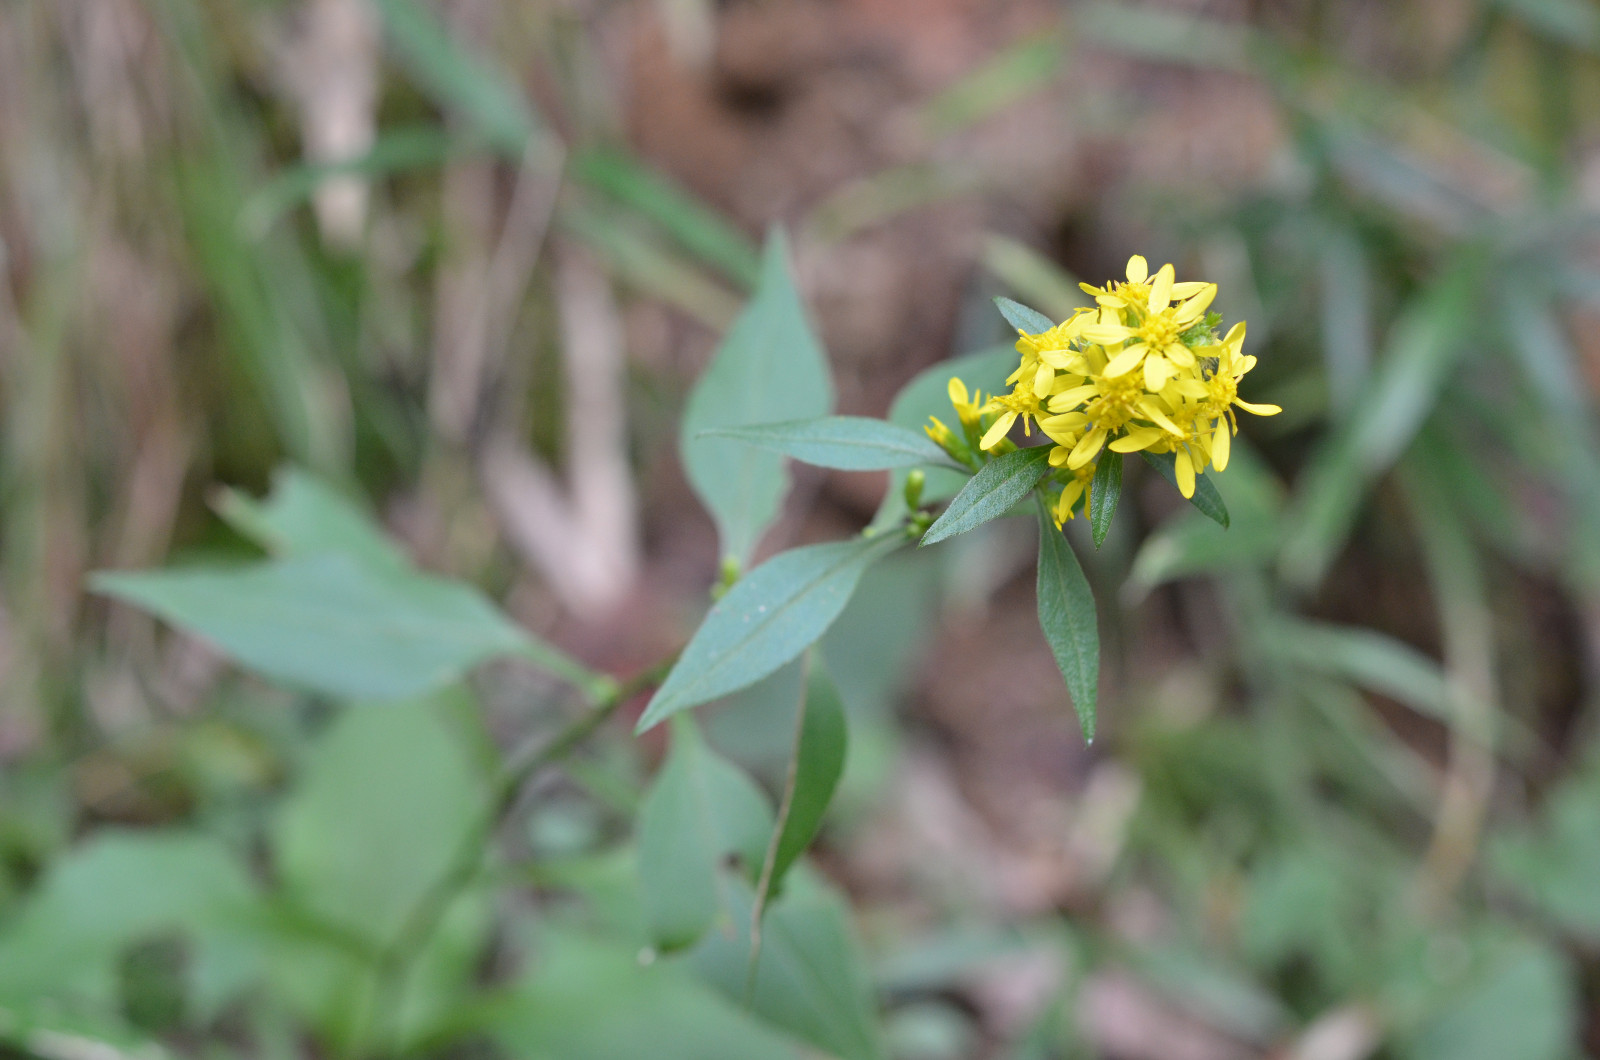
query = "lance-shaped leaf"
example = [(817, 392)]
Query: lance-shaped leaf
[(847, 443), (1206, 498), (1067, 616), (1022, 318), (1105, 489), (992, 492), (769, 617), (700, 809), (331, 622), (769, 368), (821, 740)]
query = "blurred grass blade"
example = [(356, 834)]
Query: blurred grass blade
[(1346, 317), (845, 443), (1105, 489), (768, 618), (1422, 350), (395, 151), (1067, 617), (1032, 275), (1018, 71), (458, 80), (770, 367), (1363, 657), (1570, 22), (992, 492), (886, 194), (700, 810), (1023, 318), (640, 261), (1206, 498), (1148, 31), (697, 228)]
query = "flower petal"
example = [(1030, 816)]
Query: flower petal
[(1188, 288), (1136, 439), (1043, 376), (958, 391), (1126, 361), (1157, 370), (1086, 448), (1161, 290), (1220, 443), (1106, 334), (1185, 471), (1196, 306), (1259, 410), (1071, 399), (995, 434), (1154, 414), (1138, 269), (1179, 354)]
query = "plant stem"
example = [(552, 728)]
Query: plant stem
[(396, 959)]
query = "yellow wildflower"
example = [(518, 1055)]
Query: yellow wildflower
[(1077, 487)]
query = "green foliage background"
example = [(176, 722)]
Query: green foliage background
[(1354, 813)]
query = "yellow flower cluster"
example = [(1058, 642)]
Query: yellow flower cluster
[(1142, 369)]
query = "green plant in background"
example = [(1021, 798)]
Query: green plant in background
[(384, 858), (1356, 822)]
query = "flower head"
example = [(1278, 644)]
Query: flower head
[(1141, 370)]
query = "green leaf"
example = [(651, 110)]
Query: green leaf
[(814, 773), (1554, 865), (1067, 616), (700, 809), (847, 443), (698, 228), (303, 515), (1206, 498), (769, 368), (1522, 1002), (46, 1032), (810, 978), (458, 80), (992, 492), (592, 999), (383, 804), (120, 888), (1105, 489), (331, 623), (769, 617), (1019, 316)]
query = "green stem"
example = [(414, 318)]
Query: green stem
[(395, 961)]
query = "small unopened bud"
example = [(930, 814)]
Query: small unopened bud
[(915, 480), (728, 575)]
